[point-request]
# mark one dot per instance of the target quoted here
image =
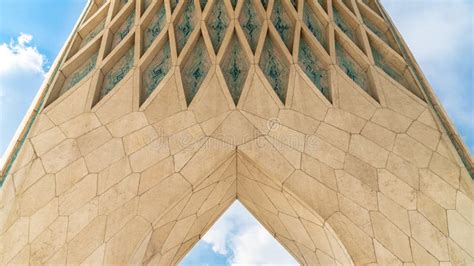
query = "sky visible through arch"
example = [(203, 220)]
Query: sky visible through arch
[(440, 33), (237, 238)]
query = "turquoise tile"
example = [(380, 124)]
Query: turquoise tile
[(283, 23), (91, 35), (235, 67), (195, 69), (154, 28), (185, 24), (345, 27), (313, 67), (276, 68), (217, 24), (80, 73), (352, 69), (118, 72), (315, 25), (123, 30), (156, 71), (251, 23)]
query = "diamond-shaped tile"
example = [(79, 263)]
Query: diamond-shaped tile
[(346, 27), (93, 33), (233, 3), (351, 67), (375, 29), (195, 69), (217, 24), (275, 67), (186, 23), (315, 25), (203, 4), (123, 30), (90, 29), (378, 27), (284, 23), (393, 66), (235, 66), (251, 23), (313, 67), (153, 29), (381, 63), (83, 70), (173, 4), (117, 72), (156, 71)]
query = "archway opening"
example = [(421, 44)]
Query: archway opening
[(239, 238)]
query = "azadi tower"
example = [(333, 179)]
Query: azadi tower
[(312, 113)]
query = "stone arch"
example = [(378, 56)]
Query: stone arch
[(124, 183), (296, 226), (88, 191)]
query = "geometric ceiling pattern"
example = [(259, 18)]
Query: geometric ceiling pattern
[(234, 35), (159, 114)]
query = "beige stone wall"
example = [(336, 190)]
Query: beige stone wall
[(355, 181)]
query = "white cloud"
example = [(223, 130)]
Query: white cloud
[(218, 236), (24, 39), (22, 70), (254, 245), (440, 35), (432, 28), (19, 56), (240, 237)]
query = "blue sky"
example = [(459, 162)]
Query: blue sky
[(237, 238), (31, 35), (439, 33)]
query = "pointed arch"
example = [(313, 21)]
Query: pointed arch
[(304, 233)]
